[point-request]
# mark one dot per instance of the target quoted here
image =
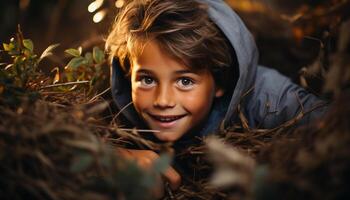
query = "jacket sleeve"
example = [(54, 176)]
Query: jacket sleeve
[(276, 100)]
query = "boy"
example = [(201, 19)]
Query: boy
[(185, 64)]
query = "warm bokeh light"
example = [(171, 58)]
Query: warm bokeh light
[(23, 4), (119, 3), (95, 5), (98, 17), (247, 6)]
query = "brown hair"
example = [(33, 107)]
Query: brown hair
[(181, 28)]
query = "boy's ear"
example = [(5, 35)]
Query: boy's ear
[(219, 92)]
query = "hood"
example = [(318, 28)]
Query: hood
[(246, 55)]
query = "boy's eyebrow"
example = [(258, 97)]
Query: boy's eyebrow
[(145, 71), (184, 71)]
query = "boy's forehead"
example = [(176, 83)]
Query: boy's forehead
[(155, 69), (152, 54)]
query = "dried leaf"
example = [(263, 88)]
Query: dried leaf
[(98, 108), (227, 177), (226, 155), (233, 168), (44, 159), (73, 52), (56, 79), (8, 66), (80, 49), (93, 147), (48, 51)]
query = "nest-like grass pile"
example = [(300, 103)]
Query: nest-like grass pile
[(314, 163), (58, 152)]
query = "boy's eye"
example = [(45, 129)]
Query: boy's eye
[(185, 83), (147, 81)]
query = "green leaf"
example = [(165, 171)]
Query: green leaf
[(6, 47), (12, 49), (73, 52), (98, 55), (88, 57), (48, 51), (93, 81), (162, 163), (81, 163), (77, 62), (28, 44)]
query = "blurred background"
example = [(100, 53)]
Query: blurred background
[(71, 23), (289, 34)]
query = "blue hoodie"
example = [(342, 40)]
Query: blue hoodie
[(269, 97)]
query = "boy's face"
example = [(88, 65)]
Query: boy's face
[(171, 98)]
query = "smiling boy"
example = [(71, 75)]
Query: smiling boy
[(169, 96), (185, 64)]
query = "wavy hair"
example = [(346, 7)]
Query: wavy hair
[(181, 28)]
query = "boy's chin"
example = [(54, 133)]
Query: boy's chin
[(168, 136)]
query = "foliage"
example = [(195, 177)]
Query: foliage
[(22, 77), (87, 67)]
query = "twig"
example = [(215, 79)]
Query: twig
[(139, 130), (98, 95), (121, 110), (134, 136), (170, 193), (291, 122), (64, 84), (240, 113), (54, 104), (299, 101)]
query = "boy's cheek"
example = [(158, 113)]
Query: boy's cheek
[(141, 99), (197, 100)]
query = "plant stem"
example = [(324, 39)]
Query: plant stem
[(64, 84)]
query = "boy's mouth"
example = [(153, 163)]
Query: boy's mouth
[(166, 118)]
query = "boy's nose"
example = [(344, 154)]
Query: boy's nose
[(164, 98)]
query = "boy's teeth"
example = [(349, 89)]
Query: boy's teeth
[(167, 119)]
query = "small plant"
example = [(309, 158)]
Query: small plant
[(87, 67), (21, 77)]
